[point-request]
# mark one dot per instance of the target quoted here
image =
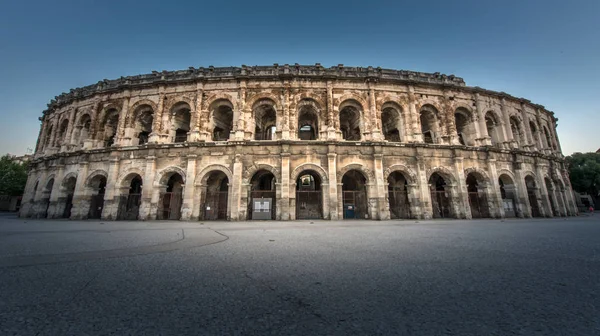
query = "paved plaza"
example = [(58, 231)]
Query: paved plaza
[(487, 277)]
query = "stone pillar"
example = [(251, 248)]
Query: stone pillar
[(149, 205), (335, 208), (332, 122), (194, 133), (123, 139), (54, 210), (68, 141), (383, 211), (188, 191), (494, 195), (543, 190), (523, 200), (81, 205), (157, 122), (414, 122), (423, 184), (240, 127), (238, 210), (375, 115), (27, 203), (414, 194), (285, 122), (38, 204), (485, 139), (460, 201), (528, 136), (285, 184), (507, 129), (111, 194)]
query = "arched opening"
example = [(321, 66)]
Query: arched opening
[(465, 128), (429, 124), (492, 128), (308, 196), (170, 199), (216, 197), (532, 196), (517, 131), (108, 128), (308, 123), (534, 134), (478, 201), (263, 195), (550, 192), (398, 196), (391, 122), (45, 199), (67, 200), (180, 121), (48, 139), (350, 114), (549, 143), (130, 201), (97, 187), (508, 192), (143, 123), (265, 120), (62, 133), (354, 195), (440, 197), (222, 119)]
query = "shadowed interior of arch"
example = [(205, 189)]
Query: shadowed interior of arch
[(171, 198), (354, 195), (130, 198), (262, 196), (398, 196), (309, 196), (440, 197), (478, 201), (215, 197)]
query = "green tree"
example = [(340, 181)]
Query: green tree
[(584, 169), (13, 176)]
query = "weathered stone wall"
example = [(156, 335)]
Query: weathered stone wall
[(75, 141)]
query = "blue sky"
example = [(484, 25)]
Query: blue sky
[(545, 51)]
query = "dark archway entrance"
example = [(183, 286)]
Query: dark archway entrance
[(170, 200), (69, 187), (478, 201), (509, 195), (354, 195), (129, 204), (532, 196), (440, 197), (398, 196), (98, 187), (45, 202), (214, 206), (263, 197), (309, 203)]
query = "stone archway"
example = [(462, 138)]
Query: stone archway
[(479, 202), (510, 196), (262, 196), (354, 195), (533, 196), (398, 196), (215, 196), (309, 195), (130, 198)]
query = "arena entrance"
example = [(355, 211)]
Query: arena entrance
[(309, 203), (129, 204), (509, 195), (398, 196), (440, 199), (478, 201), (532, 196), (69, 188), (98, 187), (214, 206), (262, 196), (170, 200), (354, 195)]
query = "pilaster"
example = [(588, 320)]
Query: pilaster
[(149, 205), (334, 207), (188, 191), (111, 195), (80, 202)]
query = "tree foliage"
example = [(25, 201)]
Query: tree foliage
[(13, 176), (584, 169)]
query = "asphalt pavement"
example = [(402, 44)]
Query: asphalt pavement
[(452, 277)]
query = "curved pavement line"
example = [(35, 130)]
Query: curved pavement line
[(191, 239)]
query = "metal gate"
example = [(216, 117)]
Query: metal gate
[(215, 206), (129, 207), (262, 194), (479, 205), (358, 201), (169, 206), (399, 206), (96, 206), (440, 204), (533, 204), (308, 204), (68, 206)]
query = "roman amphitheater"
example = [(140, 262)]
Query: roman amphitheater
[(293, 142)]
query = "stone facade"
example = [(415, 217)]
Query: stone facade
[(290, 142)]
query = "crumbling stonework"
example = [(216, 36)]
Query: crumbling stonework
[(291, 142)]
